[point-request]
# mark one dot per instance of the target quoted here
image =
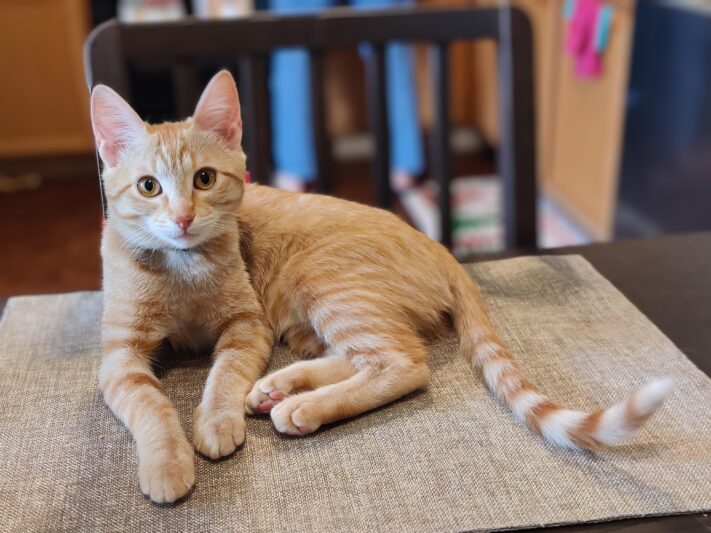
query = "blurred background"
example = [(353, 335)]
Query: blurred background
[(623, 128)]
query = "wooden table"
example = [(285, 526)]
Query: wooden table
[(669, 280)]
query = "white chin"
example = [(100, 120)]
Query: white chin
[(184, 242)]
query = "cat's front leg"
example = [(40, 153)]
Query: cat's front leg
[(135, 395), (241, 356)]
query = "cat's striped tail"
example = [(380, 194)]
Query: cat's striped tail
[(565, 427)]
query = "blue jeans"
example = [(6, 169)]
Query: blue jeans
[(293, 138)]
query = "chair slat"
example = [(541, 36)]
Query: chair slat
[(318, 112), (255, 112), (186, 86), (517, 151), (106, 60), (441, 165), (377, 104), (265, 31)]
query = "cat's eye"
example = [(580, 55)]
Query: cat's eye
[(205, 178), (149, 186)]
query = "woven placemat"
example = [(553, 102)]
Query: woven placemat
[(447, 459)]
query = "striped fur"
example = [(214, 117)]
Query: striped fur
[(504, 377), (353, 289)]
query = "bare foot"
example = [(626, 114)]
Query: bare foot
[(401, 180)]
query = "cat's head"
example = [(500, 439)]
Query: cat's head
[(172, 185)]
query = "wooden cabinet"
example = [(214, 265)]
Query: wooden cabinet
[(43, 97), (584, 143)]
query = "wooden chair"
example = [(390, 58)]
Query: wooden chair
[(113, 48)]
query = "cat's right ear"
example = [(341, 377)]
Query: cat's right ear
[(116, 125)]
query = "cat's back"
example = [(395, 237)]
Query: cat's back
[(319, 232), (316, 215)]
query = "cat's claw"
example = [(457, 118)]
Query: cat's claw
[(217, 433)]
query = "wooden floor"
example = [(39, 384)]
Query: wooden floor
[(49, 237)]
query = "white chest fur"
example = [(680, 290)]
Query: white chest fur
[(188, 265)]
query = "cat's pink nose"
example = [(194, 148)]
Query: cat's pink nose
[(184, 222)]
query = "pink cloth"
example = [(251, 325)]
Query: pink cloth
[(580, 39)]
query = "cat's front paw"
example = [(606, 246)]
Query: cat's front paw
[(168, 474), (260, 402), (217, 432), (296, 415)]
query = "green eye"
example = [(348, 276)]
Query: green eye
[(204, 178), (149, 186)]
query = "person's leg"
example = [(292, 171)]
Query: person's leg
[(290, 87), (405, 139), (292, 131)]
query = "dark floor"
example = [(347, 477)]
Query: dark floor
[(50, 236)]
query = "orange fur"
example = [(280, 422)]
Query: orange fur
[(350, 283)]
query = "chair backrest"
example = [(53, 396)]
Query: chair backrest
[(113, 48)]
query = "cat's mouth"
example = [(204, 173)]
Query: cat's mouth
[(185, 241), (188, 243), (184, 246)]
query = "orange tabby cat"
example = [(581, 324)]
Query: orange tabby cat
[(193, 255)]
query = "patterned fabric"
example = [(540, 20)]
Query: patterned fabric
[(450, 458)]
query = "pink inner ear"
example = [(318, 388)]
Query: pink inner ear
[(218, 110), (116, 125), (231, 133), (108, 152)]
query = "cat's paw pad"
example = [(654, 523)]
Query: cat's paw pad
[(295, 416), (166, 478), (217, 433), (265, 394)]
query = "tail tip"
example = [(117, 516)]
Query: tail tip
[(620, 421), (653, 394)]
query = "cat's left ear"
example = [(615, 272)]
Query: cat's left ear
[(218, 110)]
